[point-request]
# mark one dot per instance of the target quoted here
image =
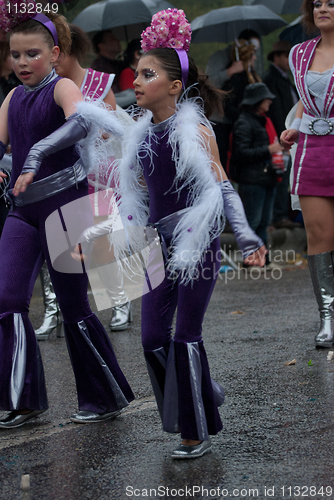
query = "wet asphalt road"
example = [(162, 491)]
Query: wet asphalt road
[(278, 439)]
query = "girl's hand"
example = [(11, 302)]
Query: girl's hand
[(2, 176), (77, 254), (289, 137), (257, 258), (22, 183)]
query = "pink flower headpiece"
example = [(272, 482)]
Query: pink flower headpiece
[(14, 12), (169, 29)]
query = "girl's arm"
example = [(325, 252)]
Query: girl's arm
[(4, 137), (212, 148), (66, 95), (289, 137), (251, 245), (110, 99)]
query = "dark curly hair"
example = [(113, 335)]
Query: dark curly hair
[(197, 83), (307, 17)]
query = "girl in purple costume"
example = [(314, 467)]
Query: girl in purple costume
[(312, 64), (168, 174), (33, 118)]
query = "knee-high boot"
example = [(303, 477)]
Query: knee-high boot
[(321, 270), (52, 315), (112, 279)]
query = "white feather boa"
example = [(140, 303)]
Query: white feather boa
[(204, 219), (95, 152)]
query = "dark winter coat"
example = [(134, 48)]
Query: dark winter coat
[(250, 161), (281, 88)]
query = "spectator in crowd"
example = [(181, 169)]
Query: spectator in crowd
[(255, 149), (131, 57), (221, 67), (108, 49), (126, 97), (278, 81)]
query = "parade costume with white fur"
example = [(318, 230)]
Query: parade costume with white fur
[(203, 222), (173, 158), (166, 180)]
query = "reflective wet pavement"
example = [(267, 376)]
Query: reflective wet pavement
[(278, 419)]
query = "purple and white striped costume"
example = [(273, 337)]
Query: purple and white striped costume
[(314, 165)]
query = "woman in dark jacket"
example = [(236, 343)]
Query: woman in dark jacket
[(253, 152)]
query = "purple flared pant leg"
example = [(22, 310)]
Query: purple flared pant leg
[(187, 398), (101, 385), (22, 383)]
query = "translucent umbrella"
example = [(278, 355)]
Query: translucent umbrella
[(224, 25), (126, 18)]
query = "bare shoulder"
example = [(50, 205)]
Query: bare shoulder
[(67, 94), (64, 86), (205, 130), (208, 135)]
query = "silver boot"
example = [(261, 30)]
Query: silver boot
[(112, 279), (321, 269), (121, 317), (52, 315)]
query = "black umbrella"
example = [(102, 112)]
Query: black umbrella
[(126, 18), (224, 25), (278, 6), (295, 32)]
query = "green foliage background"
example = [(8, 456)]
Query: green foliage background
[(193, 8)]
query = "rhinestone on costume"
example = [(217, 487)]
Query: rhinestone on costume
[(130, 217)]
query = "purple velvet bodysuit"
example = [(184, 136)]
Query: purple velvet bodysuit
[(101, 385), (187, 398)]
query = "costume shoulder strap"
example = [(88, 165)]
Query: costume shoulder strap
[(96, 85)]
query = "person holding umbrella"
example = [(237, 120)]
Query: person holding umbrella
[(222, 66), (313, 128)]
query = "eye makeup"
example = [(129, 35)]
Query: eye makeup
[(149, 75)]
